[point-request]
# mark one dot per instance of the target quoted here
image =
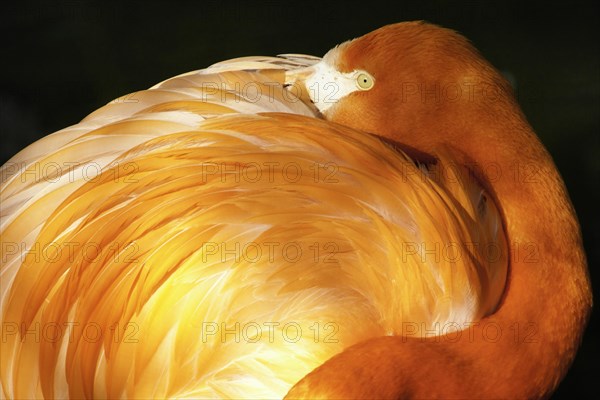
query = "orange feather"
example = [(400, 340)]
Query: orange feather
[(228, 234)]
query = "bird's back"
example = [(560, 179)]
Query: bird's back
[(212, 237)]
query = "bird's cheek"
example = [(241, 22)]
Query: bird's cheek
[(341, 113), (352, 113)]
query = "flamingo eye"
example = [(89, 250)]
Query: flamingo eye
[(364, 81)]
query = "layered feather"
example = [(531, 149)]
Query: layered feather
[(211, 237)]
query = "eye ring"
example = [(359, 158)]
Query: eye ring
[(364, 81)]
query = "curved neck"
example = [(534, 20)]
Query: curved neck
[(547, 300), (526, 347), (548, 295)]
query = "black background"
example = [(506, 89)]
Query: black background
[(60, 61)]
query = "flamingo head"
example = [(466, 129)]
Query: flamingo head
[(413, 83)]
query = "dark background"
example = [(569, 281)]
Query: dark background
[(61, 61)]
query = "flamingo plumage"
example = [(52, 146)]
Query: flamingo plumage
[(242, 231)]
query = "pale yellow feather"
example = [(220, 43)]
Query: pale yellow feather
[(214, 209)]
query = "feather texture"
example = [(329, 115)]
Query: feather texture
[(211, 237)]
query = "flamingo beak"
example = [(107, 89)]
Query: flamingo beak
[(295, 83)]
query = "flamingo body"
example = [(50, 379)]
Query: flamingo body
[(223, 235)]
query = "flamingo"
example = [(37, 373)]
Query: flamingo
[(381, 222)]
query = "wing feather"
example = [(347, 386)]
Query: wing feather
[(225, 246)]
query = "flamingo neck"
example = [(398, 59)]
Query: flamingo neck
[(525, 348), (547, 299)]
